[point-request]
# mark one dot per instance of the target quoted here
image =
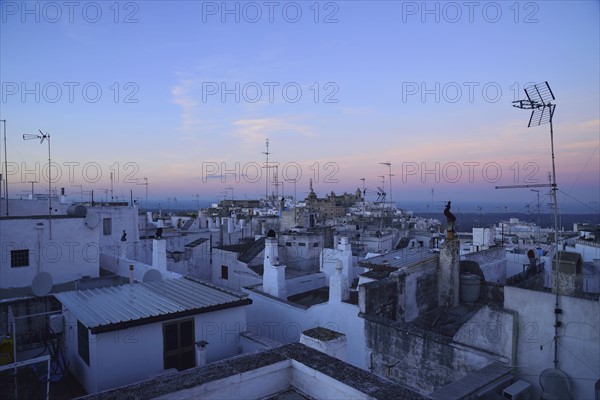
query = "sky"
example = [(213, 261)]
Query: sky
[(185, 93)]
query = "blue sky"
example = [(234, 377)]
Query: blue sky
[(425, 86)]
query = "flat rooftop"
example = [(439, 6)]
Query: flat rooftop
[(290, 372), (311, 298), (445, 321)]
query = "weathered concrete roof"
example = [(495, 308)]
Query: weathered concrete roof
[(470, 384), (322, 333), (361, 380), (196, 242), (117, 307), (445, 321), (246, 251), (399, 258)]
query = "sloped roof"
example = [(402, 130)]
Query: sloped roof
[(246, 251), (118, 307)]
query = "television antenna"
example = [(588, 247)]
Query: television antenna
[(145, 184), (540, 101), (267, 169), (389, 164), (45, 136), (5, 169)]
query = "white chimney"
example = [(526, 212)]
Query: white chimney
[(274, 272), (159, 254), (345, 255), (338, 285)]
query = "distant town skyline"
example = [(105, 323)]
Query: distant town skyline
[(186, 93)]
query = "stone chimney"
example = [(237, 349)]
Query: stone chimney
[(159, 254), (274, 272), (570, 276), (448, 274), (338, 285)]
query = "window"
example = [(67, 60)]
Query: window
[(316, 244), (224, 272), (178, 345), (288, 244), (83, 344), (19, 258), (302, 244), (107, 226)]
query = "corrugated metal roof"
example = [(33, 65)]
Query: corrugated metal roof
[(111, 308)]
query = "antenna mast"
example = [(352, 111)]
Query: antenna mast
[(44, 136), (267, 169), (539, 101), (5, 169)]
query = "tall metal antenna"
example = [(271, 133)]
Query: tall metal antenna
[(267, 169), (539, 101), (5, 168), (389, 164), (112, 198), (145, 184), (45, 136)]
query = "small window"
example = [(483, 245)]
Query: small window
[(107, 226), (83, 344), (288, 244), (302, 244), (19, 258), (316, 244), (224, 272)]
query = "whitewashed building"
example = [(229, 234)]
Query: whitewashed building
[(65, 247), (123, 334)]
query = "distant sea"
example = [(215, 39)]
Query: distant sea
[(465, 222), (467, 214)]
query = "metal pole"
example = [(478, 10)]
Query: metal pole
[(5, 169), (49, 190), (391, 195), (556, 258), (147, 194)]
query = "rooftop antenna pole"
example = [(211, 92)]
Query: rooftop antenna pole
[(145, 184), (389, 164), (538, 212), (112, 198), (32, 183), (45, 136), (539, 101), (5, 168), (267, 169)]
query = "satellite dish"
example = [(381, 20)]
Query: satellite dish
[(42, 284), (152, 275), (92, 220)]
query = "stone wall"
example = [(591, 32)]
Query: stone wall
[(423, 360), (379, 298), (403, 296)]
